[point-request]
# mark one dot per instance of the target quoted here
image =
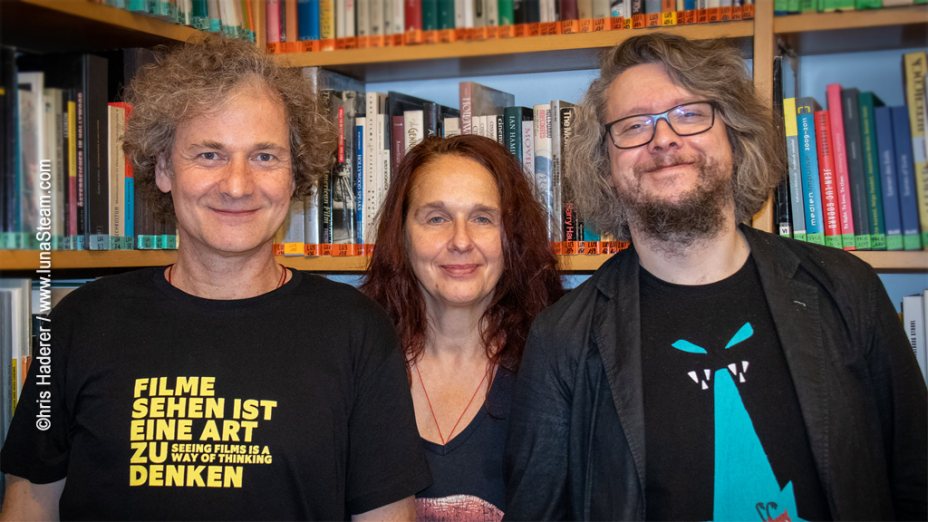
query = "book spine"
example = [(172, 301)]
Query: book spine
[(908, 202), (543, 160), (886, 159), (842, 180), (872, 171), (913, 318), (359, 179), (915, 68), (466, 104), (855, 168), (513, 142), (571, 229), (794, 172), (832, 220), (96, 182), (808, 155), (414, 14), (528, 145)]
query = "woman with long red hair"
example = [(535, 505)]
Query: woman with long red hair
[(462, 265)]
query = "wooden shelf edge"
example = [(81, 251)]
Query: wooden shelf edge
[(505, 46), (895, 261), (813, 22), (121, 18), (28, 260)]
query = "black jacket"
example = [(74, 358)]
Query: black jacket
[(576, 446)]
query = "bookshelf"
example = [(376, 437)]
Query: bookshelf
[(79, 25)]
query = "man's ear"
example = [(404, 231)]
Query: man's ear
[(163, 176)]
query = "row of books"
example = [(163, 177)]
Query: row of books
[(314, 25), (66, 184), (914, 321), (377, 129), (858, 178), (782, 7), (233, 18)]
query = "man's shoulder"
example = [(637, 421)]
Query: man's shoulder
[(580, 302), (828, 266)]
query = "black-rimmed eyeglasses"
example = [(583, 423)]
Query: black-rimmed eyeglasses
[(687, 119)]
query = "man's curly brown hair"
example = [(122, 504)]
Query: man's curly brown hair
[(194, 79)]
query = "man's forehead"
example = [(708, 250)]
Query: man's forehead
[(645, 88)]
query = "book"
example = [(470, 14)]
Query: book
[(868, 102), (908, 203), (794, 169), (554, 199), (886, 159), (914, 70), (913, 319), (480, 100), (543, 167), (808, 163), (842, 180), (855, 168), (831, 218)]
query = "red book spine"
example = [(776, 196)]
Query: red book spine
[(413, 15), (826, 171), (839, 148)]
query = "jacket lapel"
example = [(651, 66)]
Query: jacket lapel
[(617, 335), (794, 306)]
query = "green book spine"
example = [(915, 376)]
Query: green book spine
[(506, 12), (868, 101)]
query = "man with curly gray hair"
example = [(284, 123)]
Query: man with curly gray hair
[(225, 386), (711, 371)]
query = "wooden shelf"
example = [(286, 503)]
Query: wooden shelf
[(497, 56), (852, 31), (28, 260), (81, 26), (896, 261)]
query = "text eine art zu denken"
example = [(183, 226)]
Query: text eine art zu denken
[(183, 435)]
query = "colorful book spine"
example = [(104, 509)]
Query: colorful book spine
[(855, 168), (794, 173), (908, 201), (808, 156), (868, 101), (832, 220), (886, 159), (842, 180), (915, 66)]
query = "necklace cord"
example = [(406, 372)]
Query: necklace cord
[(461, 416)]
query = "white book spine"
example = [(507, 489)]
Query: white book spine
[(528, 151), (913, 317), (414, 127), (452, 127)]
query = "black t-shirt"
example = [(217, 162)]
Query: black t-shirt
[(468, 471), (724, 433), (289, 405)]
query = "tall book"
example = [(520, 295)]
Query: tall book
[(554, 200), (915, 66), (808, 162), (868, 102), (32, 137), (344, 205), (913, 319), (842, 179), (832, 220), (543, 160), (480, 100), (889, 182), (855, 168), (905, 167), (794, 169)]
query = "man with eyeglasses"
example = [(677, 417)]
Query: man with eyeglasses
[(711, 371)]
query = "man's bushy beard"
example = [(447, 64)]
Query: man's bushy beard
[(697, 214)]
